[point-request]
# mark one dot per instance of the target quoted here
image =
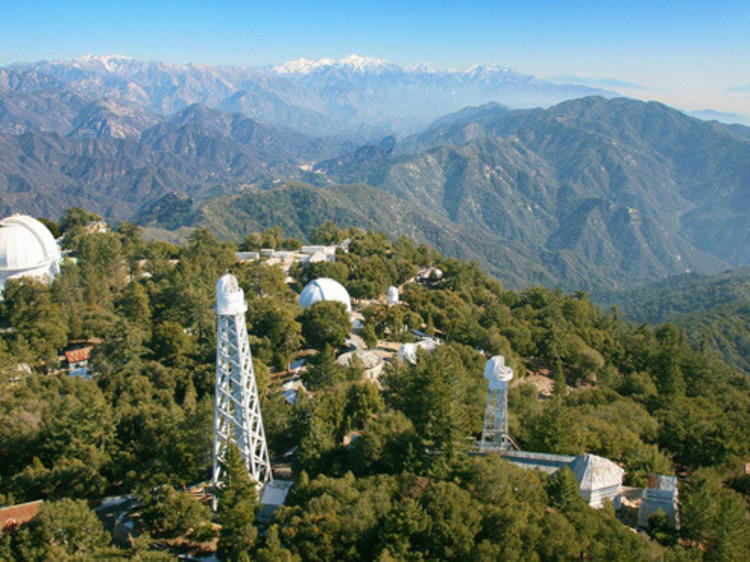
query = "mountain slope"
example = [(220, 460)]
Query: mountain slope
[(299, 207), (107, 165), (633, 191)]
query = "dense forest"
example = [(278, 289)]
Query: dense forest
[(407, 487), (714, 311)]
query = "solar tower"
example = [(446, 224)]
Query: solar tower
[(237, 417), (495, 432)]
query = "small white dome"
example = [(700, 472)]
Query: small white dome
[(324, 289), (497, 372), (230, 299), (27, 248)]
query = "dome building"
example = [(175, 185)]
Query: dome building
[(27, 249), (324, 289)]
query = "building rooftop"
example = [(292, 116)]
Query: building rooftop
[(14, 515)]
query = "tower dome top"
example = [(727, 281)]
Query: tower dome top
[(497, 372), (230, 299)]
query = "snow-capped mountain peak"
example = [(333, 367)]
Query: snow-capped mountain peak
[(354, 62), (109, 62)]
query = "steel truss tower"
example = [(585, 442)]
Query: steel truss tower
[(237, 417), (495, 432)]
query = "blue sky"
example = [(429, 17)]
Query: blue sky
[(688, 51)]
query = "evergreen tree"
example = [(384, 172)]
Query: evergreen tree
[(272, 549), (238, 503), (560, 387), (170, 513), (64, 529), (369, 336), (326, 323), (659, 528), (562, 488)]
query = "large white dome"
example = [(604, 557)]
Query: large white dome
[(324, 289), (27, 248)]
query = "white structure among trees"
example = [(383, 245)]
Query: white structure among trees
[(324, 289), (391, 296), (27, 249), (495, 434), (661, 493), (237, 416), (598, 478)]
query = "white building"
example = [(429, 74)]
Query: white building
[(661, 493), (27, 249), (324, 289), (598, 478)]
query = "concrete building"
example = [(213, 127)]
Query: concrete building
[(661, 493), (598, 478), (495, 430)]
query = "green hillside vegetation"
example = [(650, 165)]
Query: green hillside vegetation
[(714, 311), (406, 489)]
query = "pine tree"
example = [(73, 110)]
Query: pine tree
[(369, 336), (560, 387), (562, 489), (238, 502), (273, 550)]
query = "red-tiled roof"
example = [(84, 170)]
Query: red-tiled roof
[(18, 514), (76, 355)]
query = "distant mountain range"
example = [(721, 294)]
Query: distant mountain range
[(325, 96), (589, 193), (617, 190)]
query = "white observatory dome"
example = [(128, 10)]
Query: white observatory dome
[(27, 249), (324, 289), (230, 299), (497, 372)]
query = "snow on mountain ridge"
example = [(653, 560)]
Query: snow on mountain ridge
[(363, 65), (355, 62)]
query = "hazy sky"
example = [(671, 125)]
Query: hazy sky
[(689, 52)]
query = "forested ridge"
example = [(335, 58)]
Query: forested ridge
[(714, 311), (406, 488)]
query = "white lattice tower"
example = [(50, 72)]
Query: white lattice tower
[(237, 417), (495, 432)]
